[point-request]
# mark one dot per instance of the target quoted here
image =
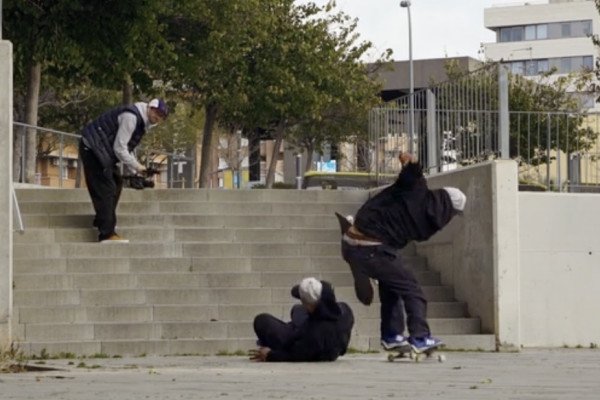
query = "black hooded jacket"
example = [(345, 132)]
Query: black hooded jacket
[(324, 336), (406, 210)]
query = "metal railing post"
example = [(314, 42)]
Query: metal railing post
[(433, 146), (503, 116)]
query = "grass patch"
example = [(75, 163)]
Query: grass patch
[(99, 355), (352, 350), (12, 359), (226, 353)]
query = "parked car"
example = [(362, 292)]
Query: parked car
[(316, 180)]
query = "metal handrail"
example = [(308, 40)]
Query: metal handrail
[(17, 210), (61, 145)]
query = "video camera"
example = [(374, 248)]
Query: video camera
[(140, 182)]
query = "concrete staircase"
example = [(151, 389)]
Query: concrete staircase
[(199, 266)]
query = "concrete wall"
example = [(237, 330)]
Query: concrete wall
[(560, 269), (521, 14), (512, 15), (477, 253), (6, 140)]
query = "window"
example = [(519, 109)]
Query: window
[(517, 33), (542, 31), (517, 67), (565, 30), (543, 66), (530, 32), (565, 65), (531, 67), (505, 34), (587, 27), (588, 62)]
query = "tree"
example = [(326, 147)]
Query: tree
[(308, 77), (536, 105), (101, 40), (213, 40)]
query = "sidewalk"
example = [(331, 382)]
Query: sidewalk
[(532, 374)]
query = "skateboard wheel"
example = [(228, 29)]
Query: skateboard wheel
[(441, 358), (391, 357)]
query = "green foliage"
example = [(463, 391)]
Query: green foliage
[(539, 109), (179, 132), (248, 63), (12, 359)]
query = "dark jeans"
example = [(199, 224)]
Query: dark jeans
[(398, 287), (276, 334), (104, 186)]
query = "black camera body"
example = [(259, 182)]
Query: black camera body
[(140, 182)]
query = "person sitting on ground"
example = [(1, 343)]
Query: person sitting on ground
[(320, 328)]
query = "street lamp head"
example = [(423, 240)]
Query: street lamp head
[(405, 3)]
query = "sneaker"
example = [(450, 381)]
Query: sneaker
[(422, 344), (114, 238), (394, 342)]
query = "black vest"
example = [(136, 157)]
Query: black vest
[(99, 135)]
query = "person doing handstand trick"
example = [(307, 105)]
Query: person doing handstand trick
[(404, 211)]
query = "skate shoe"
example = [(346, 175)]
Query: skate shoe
[(394, 342), (114, 238), (424, 344)]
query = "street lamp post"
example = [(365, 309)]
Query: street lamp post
[(411, 116)]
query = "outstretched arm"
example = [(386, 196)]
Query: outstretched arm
[(412, 172)]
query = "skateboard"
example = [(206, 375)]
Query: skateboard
[(408, 352), (344, 223)]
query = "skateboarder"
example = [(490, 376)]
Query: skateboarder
[(320, 328), (406, 210), (106, 141)]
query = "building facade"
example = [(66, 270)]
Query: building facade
[(536, 37)]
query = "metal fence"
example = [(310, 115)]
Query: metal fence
[(467, 121), (57, 160), (455, 122)]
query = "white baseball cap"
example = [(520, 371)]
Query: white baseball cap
[(457, 197), (309, 290)]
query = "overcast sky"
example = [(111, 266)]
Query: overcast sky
[(439, 27)]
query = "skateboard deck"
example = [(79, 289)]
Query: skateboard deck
[(344, 223), (410, 353)]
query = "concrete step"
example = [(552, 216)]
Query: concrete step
[(202, 330), (105, 250), (222, 346), (312, 221), (198, 208), (183, 235), (303, 265), (199, 195), (197, 313), (187, 279), (186, 295)]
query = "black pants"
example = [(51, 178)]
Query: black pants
[(104, 186), (398, 288), (276, 334)]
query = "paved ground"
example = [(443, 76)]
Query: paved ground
[(532, 374)]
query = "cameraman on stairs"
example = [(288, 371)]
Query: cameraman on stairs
[(105, 142)]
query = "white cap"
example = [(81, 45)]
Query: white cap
[(310, 290), (457, 197)]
